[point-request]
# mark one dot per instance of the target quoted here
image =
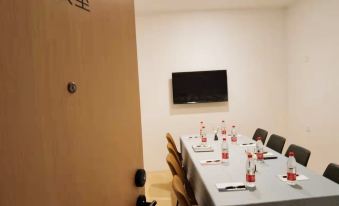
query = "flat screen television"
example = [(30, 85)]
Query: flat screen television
[(199, 87)]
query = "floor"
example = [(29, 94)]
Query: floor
[(158, 187)]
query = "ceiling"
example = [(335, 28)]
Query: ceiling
[(192, 5)]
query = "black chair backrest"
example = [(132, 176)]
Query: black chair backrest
[(302, 155), (332, 172), (260, 133), (276, 143)]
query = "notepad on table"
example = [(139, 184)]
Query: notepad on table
[(299, 177), (202, 148)]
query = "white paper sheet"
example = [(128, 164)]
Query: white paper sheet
[(299, 177), (202, 148)]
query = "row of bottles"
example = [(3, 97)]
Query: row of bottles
[(251, 165), (250, 162), (223, 131), (251, 169)]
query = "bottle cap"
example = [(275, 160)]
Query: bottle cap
[(291, 154), (249, 155), (223, 139), (258, 138)]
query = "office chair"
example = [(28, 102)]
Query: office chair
[(332, 172), (302, 155), (276, 143), (177, 170), (180, 192), (171, 150), (260, 133), (170, 140)]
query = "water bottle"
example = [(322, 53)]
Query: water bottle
[(291, 169), (260, 150), (224, 151), (200, 130), (234, 138), (223, 128), (203, 136), (250, 171), (201, 125)]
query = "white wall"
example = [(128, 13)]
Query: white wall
[(313, 84), (250, 44)]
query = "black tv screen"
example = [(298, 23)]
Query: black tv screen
[(199, 87)]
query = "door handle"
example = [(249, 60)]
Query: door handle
[(140, 178), (141, 201)]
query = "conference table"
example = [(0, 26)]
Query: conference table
[(270, 190)]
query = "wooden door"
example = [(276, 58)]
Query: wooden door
[(57, 148)]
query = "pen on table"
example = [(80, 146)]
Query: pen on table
[(212, 161), (285, 176), (247, 143)]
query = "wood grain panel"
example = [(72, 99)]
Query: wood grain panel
[(57, 148)]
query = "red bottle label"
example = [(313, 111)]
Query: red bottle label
[(291, 176), (250, 178), (225, 155), (234, 139), (260, 156), (204, 139), (223, 131)]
